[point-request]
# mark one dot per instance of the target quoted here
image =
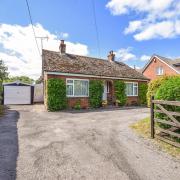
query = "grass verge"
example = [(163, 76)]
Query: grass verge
[(1, 110), (142, 127)]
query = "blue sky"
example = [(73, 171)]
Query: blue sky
[(133, 29)]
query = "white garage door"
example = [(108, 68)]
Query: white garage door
[(17, 95)]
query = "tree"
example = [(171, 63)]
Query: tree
[(24, 79), (3, 75), (3, 71)]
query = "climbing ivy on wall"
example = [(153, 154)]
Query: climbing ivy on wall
[(120, 91), (56, 94), (95, 93)]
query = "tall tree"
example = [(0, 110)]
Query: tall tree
[(3, 71), (3, 76)]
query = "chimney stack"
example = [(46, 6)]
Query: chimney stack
[(111, 56), (62, 47)]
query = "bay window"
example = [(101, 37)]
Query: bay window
[(131, 89), (77, 88)]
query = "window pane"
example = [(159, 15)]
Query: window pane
[(70, 81), (135, 91), (77, 88), (80, 88), (69, 90), (129, 89)]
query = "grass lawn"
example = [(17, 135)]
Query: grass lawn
[(1, 110), (142, 127)]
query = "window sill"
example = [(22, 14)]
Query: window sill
[(132, 95), (77, 96)]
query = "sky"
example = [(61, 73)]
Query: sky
[(134, 30)]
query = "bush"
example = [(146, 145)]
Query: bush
[(95, 93), (77, 105), (56, 94), (169, 90), (153, 87), (142, 93), (120, 91)]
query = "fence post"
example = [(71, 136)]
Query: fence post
[(152, 117)]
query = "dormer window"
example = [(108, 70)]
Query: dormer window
[(159, 70)]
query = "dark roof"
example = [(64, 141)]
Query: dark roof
[(70, 63), (16, 83), (174, 63)]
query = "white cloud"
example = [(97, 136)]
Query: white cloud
[(133, 26), (159, 18), (165, 29), (19, 50), (145, 58), (125, 54)]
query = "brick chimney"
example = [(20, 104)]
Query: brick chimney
[(111, 56), (62, 47)]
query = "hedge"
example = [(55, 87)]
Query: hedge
[(153, 87), (169, 90), (142, 93), (56, 94), (120, 91), (95, 93)]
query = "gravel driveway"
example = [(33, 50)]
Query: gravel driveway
[(90, 145)]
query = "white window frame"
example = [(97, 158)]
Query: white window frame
[(134, 84), (159, 70), (73, 87)]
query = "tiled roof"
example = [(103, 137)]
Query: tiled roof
[(70, 63), (174, 63)]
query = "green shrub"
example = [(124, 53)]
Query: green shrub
[(142, 93), (120, 91), (153, 87), (56, 94), (169, 90), (77, 105), (95, 93)]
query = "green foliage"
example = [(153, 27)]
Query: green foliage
[(153, 87), (56, 94), (142, 93), (3, 71), (95, 93), (120, 91), (3, 75), (23, 79), (77, 106), (169, 90)]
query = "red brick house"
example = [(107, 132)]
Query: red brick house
[(77, 70), (158, 66)]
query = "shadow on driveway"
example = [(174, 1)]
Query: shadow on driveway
[(8, 145)]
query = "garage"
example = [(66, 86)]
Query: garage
[(17, 93)]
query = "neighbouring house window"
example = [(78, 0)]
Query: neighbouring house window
[(131, 89), (159, 70), (77, 87)]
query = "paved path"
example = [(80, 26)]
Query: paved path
[(89, 145)]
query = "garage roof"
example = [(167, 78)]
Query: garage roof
[(16, 83)]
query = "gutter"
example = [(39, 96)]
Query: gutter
[(92, 76)]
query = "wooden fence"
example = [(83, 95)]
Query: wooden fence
[(165, 134)]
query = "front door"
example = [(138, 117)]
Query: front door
[(105, 91)]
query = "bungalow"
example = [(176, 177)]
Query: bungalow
[(77, 70)]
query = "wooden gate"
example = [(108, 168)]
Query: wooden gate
[(172, 121)]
